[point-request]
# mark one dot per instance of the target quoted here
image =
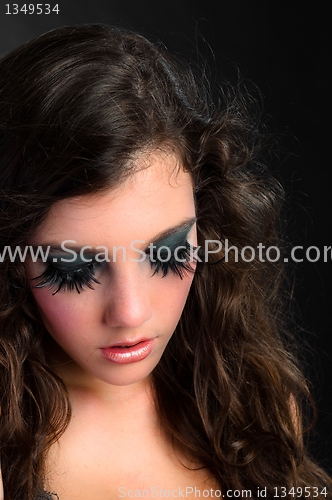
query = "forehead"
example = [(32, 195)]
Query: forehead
[(156, 196)]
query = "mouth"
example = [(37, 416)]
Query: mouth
[(125, 352)]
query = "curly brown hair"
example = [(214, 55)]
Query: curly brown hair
[(75, 105)]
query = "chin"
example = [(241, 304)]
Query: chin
[(126, 374)]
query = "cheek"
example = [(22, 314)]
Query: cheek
[(69, 316), (61, 314), (170, 297)]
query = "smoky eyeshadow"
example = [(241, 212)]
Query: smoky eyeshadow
[(67, 262), (64, 262), (175, 240)]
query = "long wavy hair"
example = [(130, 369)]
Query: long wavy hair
[(76, 105)]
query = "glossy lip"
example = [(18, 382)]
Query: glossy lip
[(124, 352)]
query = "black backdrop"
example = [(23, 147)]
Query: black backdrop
[(282, 47)]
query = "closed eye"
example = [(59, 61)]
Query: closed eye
[(76, 276), (163, 260)]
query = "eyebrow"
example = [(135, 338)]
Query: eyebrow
[(182, 226)]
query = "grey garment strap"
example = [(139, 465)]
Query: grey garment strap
[(46, 495)]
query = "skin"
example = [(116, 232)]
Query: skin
[(112, 404), (128, 304)]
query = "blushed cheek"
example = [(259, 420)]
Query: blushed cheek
[(56, 312), (176, 296)]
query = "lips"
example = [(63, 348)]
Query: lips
[(124, 352)]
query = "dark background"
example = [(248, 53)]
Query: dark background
[(283, 49)]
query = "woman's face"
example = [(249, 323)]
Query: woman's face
[(117, 331)]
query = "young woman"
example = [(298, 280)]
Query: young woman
[(142, 347)]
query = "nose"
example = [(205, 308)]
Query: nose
[(128, 299)]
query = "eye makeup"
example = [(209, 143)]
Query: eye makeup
[(170, 252), (66, 274), (175, 240), (63, 263)]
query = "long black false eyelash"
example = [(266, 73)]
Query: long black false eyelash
[(68, 280), (179, 268)]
